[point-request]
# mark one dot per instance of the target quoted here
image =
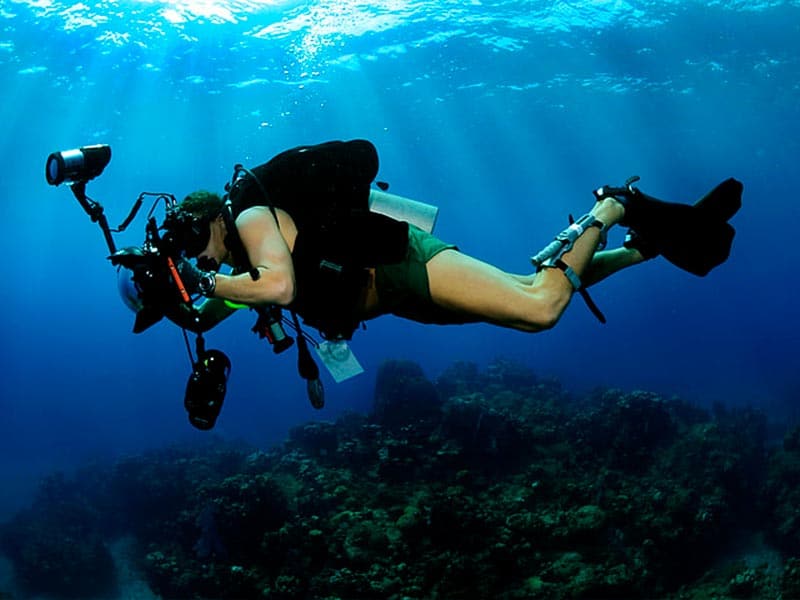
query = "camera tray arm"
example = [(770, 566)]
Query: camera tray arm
[(95, 211)]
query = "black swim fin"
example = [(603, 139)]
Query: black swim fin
[(696, 237)]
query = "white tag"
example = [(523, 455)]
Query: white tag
[(339, 359)]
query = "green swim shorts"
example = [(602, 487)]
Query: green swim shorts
[(403, 287)]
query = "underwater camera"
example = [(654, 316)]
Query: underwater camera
[(147, 279), (76, 166)]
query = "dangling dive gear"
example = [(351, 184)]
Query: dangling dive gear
[(268, 325)]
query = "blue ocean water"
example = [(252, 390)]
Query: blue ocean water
[(506, 114)]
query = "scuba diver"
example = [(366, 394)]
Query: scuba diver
[(336, 264), (306, 232)]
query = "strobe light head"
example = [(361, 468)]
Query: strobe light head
[(77, 166)]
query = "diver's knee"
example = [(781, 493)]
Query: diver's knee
[(548, 320), (546, 312)]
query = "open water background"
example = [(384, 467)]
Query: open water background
[(504, 113)]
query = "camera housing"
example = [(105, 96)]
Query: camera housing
[(144, 283)]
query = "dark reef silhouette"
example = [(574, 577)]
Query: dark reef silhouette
[(488, 484)]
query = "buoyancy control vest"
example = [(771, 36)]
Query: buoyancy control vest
[(325, 189)]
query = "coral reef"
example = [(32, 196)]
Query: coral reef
[(492, 484)]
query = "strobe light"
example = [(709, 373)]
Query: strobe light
[(76, 166)]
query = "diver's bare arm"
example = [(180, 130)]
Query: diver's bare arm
[(268, 253), (608, 262)]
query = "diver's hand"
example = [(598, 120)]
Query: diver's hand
[(194, 280), (609, 210)]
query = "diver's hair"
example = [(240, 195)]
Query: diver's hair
[(202, 205)]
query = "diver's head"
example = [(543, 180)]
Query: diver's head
[(196, 227)]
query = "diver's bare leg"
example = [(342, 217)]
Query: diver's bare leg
[(608, 262), (467, 286)]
